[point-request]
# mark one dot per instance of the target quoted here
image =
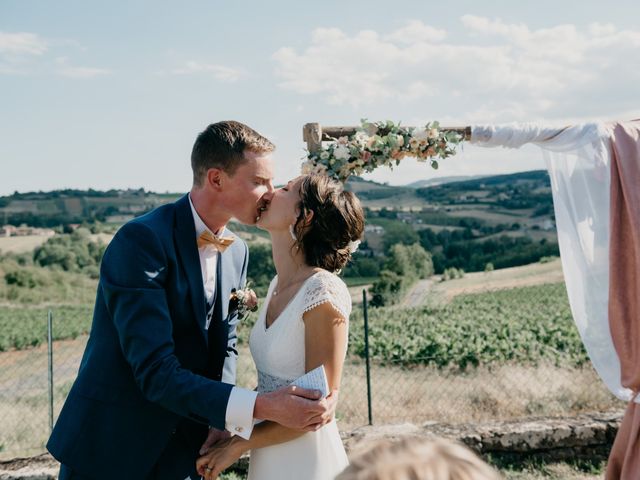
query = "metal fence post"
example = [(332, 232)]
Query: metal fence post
[(366, 353), (50, 362)]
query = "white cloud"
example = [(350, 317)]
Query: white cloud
[(18, 51), (416, 32), (22, 43), (219, 72), (64, 69), (494, 70), (24, 53)]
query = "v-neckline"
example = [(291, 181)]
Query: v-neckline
[(266, 310)]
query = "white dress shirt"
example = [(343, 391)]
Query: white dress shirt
[(239, 414)]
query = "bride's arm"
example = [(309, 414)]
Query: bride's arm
[(325, 344)]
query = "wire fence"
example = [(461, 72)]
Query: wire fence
[(375, 389)]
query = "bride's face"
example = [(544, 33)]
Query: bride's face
[(283, 207)]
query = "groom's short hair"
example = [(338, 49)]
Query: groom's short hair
[(222, 145)]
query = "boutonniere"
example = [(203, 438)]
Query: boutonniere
[(244, 300)]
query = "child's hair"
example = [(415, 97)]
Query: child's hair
[(418, 459)]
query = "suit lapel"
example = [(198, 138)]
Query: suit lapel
[(223, 285), (186, 245)]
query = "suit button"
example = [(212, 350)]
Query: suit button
[(239, 429)]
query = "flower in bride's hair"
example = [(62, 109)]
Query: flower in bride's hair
[(353, 245), (307, 167)]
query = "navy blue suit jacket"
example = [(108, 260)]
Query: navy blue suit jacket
[(150, 365)]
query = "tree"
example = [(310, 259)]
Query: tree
[(261, 268), (411, 261), (398, 232), (387, 290)]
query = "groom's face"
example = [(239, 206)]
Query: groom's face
[(250, 188)]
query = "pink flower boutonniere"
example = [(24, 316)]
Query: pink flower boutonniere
[(244, 300)]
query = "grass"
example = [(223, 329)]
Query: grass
[(399, 394), (475, 282), (358, 281), (556, 471)]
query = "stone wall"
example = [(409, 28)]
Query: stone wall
[(587, 436)]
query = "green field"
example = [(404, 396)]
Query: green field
[(22, 327), (521, 325)]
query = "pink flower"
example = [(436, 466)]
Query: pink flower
[(251, 300), (366, 156)]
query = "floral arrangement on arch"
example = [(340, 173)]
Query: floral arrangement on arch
[(375, 144)]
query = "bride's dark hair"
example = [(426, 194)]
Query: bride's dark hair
[(337, 221)]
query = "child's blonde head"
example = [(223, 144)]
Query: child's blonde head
[(418, 459)]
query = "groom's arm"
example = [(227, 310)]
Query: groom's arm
[(239, 413), (132, 278), (231, 360)]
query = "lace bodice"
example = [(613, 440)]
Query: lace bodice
[(279, 351)]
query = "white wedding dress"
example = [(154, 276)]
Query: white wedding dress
[(279, 354)]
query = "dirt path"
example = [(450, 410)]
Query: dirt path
[(417, 295)]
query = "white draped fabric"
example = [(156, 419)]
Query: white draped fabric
[(578, 159)]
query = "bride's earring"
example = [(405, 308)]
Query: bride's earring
[(293, 233)]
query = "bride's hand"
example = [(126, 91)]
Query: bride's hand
[(213, 437), (221, 456)]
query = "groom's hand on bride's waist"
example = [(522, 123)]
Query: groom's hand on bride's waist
[(296, 407)]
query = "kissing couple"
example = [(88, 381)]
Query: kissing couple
[(155, 395)]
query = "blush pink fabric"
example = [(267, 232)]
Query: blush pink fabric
[(624, 290)]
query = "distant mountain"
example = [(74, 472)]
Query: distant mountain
[(507, 196), (431, 182)]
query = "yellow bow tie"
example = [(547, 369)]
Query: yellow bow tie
[(219, 243)]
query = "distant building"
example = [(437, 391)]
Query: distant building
[(24, 231), (374, 229), (7, 230), (548, 224), (118, 219)]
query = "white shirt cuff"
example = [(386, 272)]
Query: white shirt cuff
[(239, 415)]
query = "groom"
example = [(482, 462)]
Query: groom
[(157, 376)]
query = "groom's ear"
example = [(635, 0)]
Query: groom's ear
[(214, 178)]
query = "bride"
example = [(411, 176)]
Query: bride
[(314, 226)]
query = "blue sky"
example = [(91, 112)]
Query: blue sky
[(112, 94)]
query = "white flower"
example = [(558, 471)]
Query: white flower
[(353, 245), (341, 152), (433, 133), (361, 139), (324, 155), (420, 134)]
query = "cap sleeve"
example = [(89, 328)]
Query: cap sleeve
[(325, 287)]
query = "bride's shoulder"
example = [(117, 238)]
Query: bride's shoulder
[(325, 277), (325, 286), (324, 281)]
